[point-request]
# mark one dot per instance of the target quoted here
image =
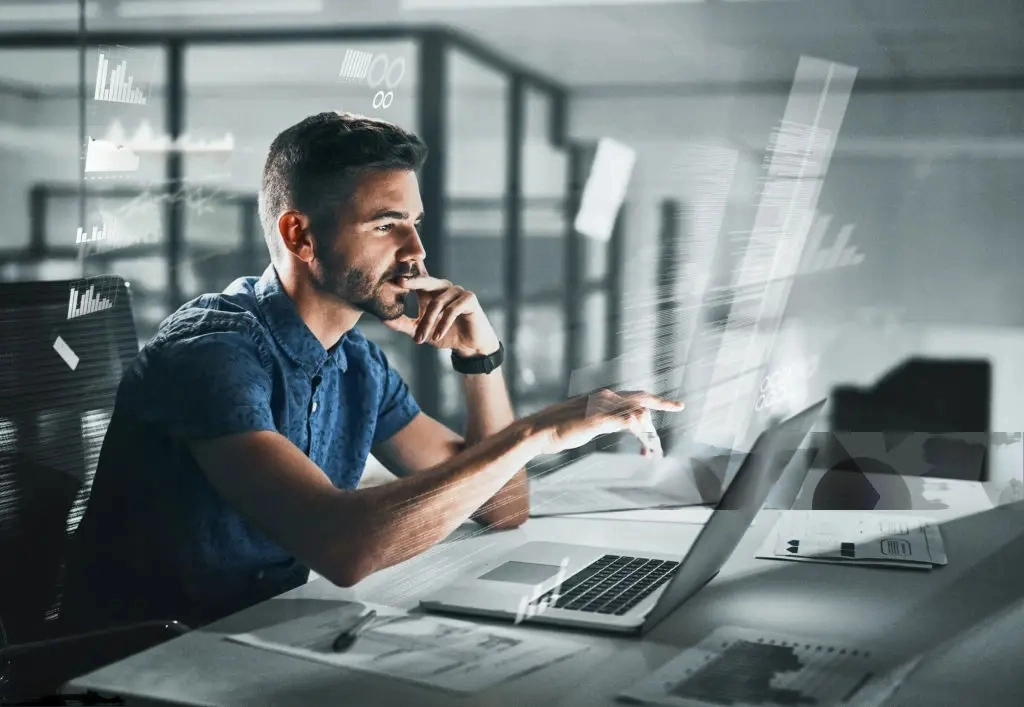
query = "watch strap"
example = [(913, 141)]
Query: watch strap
[(475, 365)]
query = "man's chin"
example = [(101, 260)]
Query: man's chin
[(390, 316), (385, 312)]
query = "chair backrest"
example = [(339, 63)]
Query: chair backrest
[(63, 348)]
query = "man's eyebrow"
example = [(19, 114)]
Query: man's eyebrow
[(390, 213)]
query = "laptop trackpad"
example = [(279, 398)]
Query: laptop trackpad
[(521, 572)]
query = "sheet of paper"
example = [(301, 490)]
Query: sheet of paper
[(453, 655), (613, 482), (566, 499), (605, 189), (616, 468), (738, 666), (878, 539)]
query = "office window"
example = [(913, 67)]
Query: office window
[(543, 206), (595, 328), (477, 115), (541, 351), (125, 187), (540, 339), (595, 258), (43, 148), (477, 119), (72, 168)]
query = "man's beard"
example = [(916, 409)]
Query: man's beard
[(356, 287)]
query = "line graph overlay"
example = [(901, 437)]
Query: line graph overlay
[(771, 251)]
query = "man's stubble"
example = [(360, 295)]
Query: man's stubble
[(335, 276)]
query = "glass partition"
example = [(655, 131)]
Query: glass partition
[(541, 340), (475, 189), (75, 162)]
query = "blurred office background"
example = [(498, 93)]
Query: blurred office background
[(512, 98)]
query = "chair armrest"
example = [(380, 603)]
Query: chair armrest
[(42, 667)]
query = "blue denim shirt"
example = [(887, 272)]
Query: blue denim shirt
[(157, 541)]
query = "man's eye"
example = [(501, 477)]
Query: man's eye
[(385, 227)]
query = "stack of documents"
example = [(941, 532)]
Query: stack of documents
[(878, 539), (453, 655)]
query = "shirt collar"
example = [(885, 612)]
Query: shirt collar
[(290, 331)]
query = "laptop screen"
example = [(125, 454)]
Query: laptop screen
[(760, 471)]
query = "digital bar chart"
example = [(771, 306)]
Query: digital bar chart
[(98, 234), (86, 303), (356, 64), (840, 254), (116, 86)]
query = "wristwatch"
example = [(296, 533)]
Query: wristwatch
[(473, 365)]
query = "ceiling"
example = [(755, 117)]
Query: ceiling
[(699, 42), (646, 45)]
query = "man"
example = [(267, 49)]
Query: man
[(241, 431)]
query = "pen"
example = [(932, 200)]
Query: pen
[(347, 637)]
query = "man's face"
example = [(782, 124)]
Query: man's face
[(376, 245)]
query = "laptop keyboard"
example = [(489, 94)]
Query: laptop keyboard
[(613, 584)]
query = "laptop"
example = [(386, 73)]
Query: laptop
[(616, 590)]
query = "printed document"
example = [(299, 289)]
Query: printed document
[(454, 655), (740, 667), (875, 538)]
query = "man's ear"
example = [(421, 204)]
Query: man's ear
[(293, 226)]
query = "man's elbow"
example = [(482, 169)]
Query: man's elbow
[(344, 579), (504, 521), (513, 521), (349, 571)]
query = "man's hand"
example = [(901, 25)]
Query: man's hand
[(450, 317), (579, 420)]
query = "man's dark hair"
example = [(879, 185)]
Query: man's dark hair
[(315, 165)]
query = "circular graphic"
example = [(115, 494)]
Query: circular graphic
[(386, 74), (770, 398), (776, 386), (383, 100), (383, 59), (394, 83)]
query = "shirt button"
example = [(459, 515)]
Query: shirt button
[(314, 406)]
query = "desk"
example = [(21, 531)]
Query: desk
[(906, 612)]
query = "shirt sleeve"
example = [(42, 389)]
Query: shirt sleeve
[(208, 381), (397, 406)]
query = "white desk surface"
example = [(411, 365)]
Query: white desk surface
[(905, 611)]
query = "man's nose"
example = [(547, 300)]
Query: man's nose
[(413, 248)]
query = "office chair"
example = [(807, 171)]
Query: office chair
[(63, 348)]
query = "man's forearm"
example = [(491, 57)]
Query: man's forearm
[(399, 520), (488, 411)]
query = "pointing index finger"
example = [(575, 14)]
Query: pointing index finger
[(655, 402)]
